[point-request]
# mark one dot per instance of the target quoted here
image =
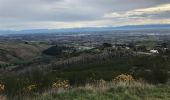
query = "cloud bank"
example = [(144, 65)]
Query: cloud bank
[(29, 14)]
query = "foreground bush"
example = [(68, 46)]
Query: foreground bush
[(2, 88), (60, 84), (124, 77)]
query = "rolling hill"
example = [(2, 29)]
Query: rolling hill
[(10, 52)]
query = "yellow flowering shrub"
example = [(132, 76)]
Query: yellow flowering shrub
[(31, 87), (124, 77), (2, 88), (60, 84)]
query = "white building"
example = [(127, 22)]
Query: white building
[(154, 51)]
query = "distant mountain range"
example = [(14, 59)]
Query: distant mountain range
[(89, 29)]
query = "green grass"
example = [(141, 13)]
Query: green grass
[(135, 91)]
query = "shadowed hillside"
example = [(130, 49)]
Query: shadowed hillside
[(11, 52)]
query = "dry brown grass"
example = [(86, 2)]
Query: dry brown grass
[(3, 97), (13, 51), (102, 85)]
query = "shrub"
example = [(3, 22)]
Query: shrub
[(60, 84), (30, 88), (155, 76), (160, 76), (107, 45), (2, 87), (124, 77)]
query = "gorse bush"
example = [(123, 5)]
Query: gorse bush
[(30, 88), (124, 77), (2, 88), (60, 84)]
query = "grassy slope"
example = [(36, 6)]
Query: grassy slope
[(103, 70), (111, 68), (120, 91), (10, 52), (82, 73), (112, 94)]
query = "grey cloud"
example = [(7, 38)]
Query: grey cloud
[(70, 10), (161, 15)]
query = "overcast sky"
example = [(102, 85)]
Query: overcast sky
[(39, 14)]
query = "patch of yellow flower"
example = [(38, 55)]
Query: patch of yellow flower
[(124, 77), (2, 88), (31, 87), (60, 84)]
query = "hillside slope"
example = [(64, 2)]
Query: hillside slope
[(10, 52)]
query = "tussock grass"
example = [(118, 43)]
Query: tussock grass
[(135, 90), (2, 97)]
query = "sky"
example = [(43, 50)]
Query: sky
[(54, 14)]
